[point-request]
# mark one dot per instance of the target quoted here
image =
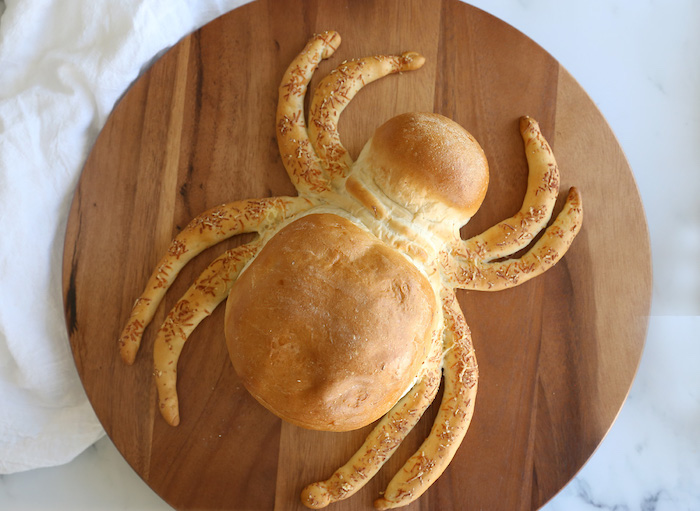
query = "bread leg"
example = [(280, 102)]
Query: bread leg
[(461, 375), (200, 300), (515, 233), (298, 156), (333, 94), (382, 441), (207, 229), (549, 249)]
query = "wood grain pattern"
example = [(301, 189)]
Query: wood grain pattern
[(556, 355)]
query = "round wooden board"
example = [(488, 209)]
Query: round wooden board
[(557, 355)]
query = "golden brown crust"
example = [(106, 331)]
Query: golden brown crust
[(426, 160), (339, 326)]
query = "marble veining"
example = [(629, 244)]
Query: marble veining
[(650, 459)]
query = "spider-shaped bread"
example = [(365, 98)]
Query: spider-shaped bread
[(342, 311)]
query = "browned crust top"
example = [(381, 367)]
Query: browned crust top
[(328, 326), (432, 156)]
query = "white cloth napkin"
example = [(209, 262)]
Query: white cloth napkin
[(63, 65)]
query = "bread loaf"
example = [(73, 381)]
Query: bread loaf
[(328, 327)]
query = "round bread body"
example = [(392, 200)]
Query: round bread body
[(328, 327)]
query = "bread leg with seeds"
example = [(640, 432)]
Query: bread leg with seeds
[(298, 156), (465, 273), (204, 231), (460, 373), (515, 233), (334, 93), (200, 300)]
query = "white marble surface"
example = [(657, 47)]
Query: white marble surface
[(640, 62)]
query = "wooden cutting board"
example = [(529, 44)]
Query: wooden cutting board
[(557, 355)]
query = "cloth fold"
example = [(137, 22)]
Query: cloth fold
[(63, 66)]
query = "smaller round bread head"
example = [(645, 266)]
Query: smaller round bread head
[(430, 165)]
